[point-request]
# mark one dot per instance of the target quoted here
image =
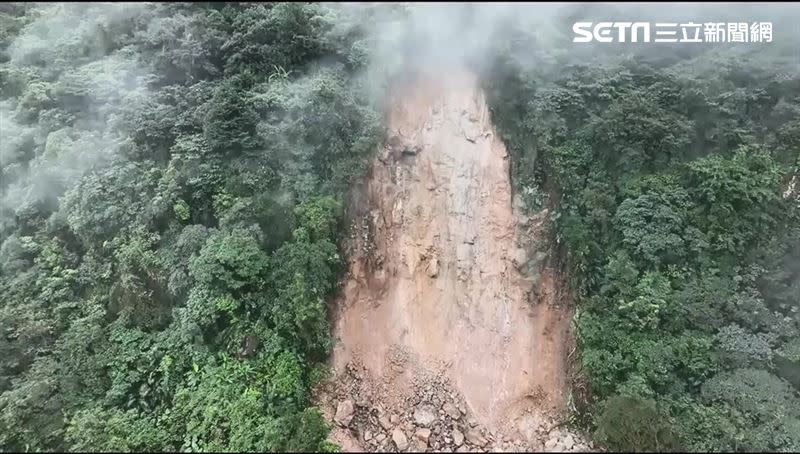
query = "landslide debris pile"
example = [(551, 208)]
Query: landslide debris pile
[(369, 414), (449, 301)]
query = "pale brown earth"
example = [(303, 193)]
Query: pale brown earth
[(449, 301)]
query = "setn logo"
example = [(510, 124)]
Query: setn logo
[(603, 32), (667, 32)]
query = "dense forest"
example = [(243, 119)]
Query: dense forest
[(173, 179), (672, 177), (171, 182)]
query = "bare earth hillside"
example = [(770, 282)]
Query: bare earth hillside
[(449, 332)]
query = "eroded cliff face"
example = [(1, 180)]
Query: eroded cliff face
[(448, 302)]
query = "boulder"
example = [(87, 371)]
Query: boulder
[(399, 439), (569, 442), (458, 437), (423, 435), (451, 411), (520, 257), (424, 416), (474, 437), (384, 422), (344, 413)]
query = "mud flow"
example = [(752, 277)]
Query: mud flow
[(449, 331)]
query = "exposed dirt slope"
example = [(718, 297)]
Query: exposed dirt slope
[(447, 282)]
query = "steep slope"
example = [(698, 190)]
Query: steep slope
[(434, 301)]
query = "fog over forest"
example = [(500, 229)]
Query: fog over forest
[(174, 190)]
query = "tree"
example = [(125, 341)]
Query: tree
[(230, 261), (631, 424), (768, 406), (738, 198)]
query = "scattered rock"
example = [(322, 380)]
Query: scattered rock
[(344, 413), (432, 419), (384, 422), (423, 435), (474, 437), (520, 257), (569, 442), (399, 439), (458, 437), (423, 416), (451, 411)]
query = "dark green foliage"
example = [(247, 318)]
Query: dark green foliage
[(738, 199), (101, 430), (303, 281), (629, 424), (766, 405), (229, 262), (670, 182), (318, 216), (229, 126), (169, 211), (171, 178)]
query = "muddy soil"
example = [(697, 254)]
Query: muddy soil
[(449, 306)]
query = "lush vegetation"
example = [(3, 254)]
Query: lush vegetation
[(172, 179), (669, 173)]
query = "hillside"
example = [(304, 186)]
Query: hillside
[(392, 227)]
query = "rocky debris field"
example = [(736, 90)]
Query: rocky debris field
[(450, 332), (430, 416)]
